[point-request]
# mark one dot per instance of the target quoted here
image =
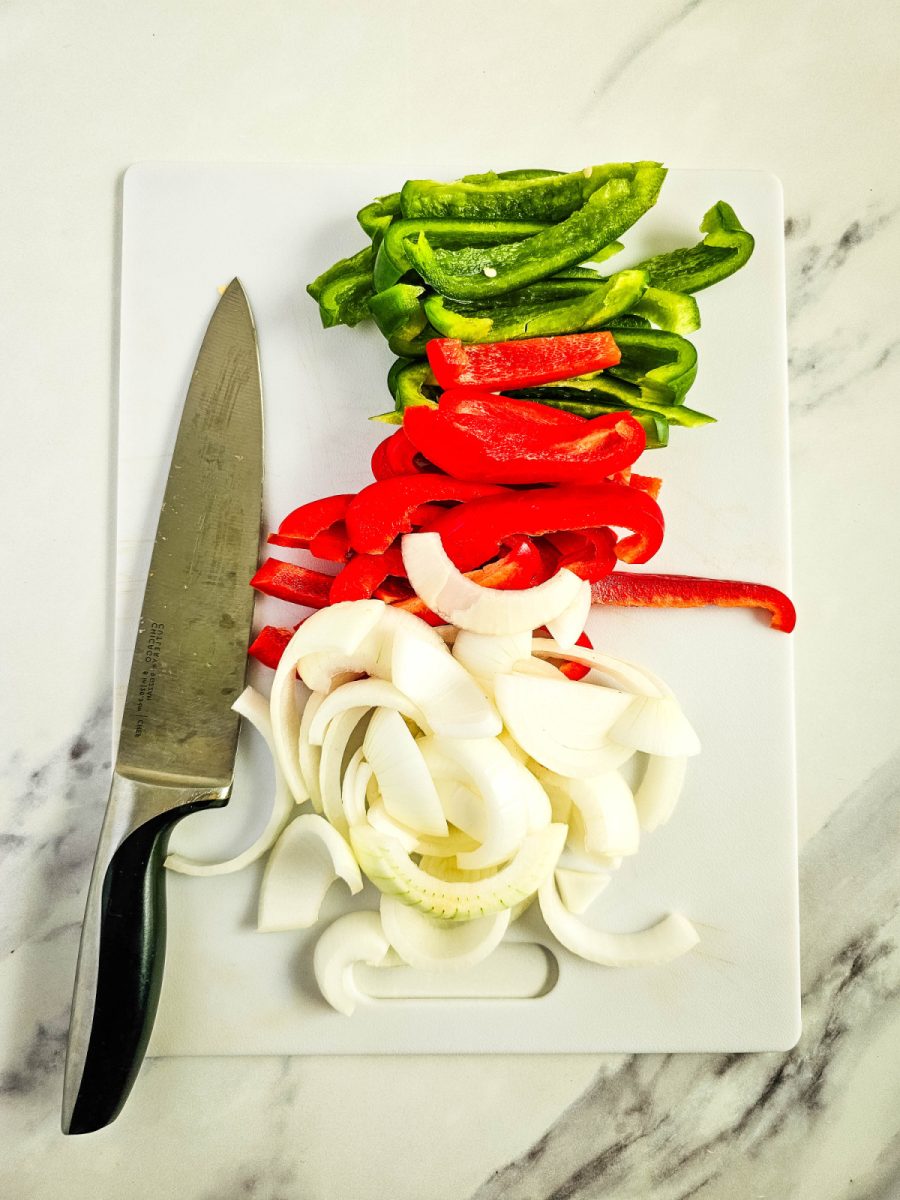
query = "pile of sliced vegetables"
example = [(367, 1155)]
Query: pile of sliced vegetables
[(461, 772), (492, 258)]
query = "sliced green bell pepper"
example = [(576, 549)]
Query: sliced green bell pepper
[(509, 321), (399, 314), (412, 382), (376, 217), (611, 210), (343, 291), (658, 360), (724, 250), (674, 312), (392, 261), (520, 196), (656, 428)]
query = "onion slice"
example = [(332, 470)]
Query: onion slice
[(353, 788), (568, 627), (563, 725), (392, 871), (356, 937), (461, 601), (405, 783), (365, 693), (310, 756), (443, 689), (431, 944), (605, 805), (485, 656), (331, 773), (668, 939), (308, 857), (254, 707), (656, 725), (659, 790), (579, 889)]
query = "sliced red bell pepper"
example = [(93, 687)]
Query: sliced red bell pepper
[(364, 573), (520, 364), (629, 589), (472, 533), (397, 455), (589, 553), (646, 483), (475, 435), (287, 581), (269, 645), (384, 509), (332, 544), (300, 527)]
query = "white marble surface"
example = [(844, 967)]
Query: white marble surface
[(806, 90)]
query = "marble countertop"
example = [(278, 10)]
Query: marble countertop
[(805, 90)]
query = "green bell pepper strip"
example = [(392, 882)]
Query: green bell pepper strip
[(399, 314), (392, 261), (524, 173), (657, 359), (656, 428), (628, 321), (548, 198), (618, 394), (724, 250), (376, 217), (607, 214), (674, 312), (343, 291), (573, 281), (412, 383), (507, 322)]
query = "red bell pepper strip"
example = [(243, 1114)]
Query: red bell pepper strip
[(384, 509), (269, 645), (332, 544), (364, 573), (287, 581), (300, 527), (520, 364), (589, 553), (646, 483), (474, 435), (397, 455), (629, 589), (472, 533)]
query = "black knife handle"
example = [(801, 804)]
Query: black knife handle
[(121, 961)]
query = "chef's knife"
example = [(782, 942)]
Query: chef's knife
[(178, 737)]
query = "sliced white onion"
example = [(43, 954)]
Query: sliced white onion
[(462, 807), (308, 857), (365, 693), (442, 867), (579, 889), (396, 621), (330, 669), (568, 627), (356, 937), (406, 786), (606, 808), (575, 858), (485, 656), (255, 709), (562, 724), (334, 749), (465, 603), (353, 788), (539, 667), (659, 790), (656, 725), (507, 739), (626, 676), (431, 944), (443, 689), (340, 628), (502, 783), (671, 937), (381, 820), (310, 756), (391, 869)]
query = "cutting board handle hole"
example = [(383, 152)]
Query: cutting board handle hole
[(515, 971)]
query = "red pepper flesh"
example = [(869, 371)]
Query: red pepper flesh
[(472, 532), (629, 589), (397, 455), (475, 435), (588, 553), (269, 645), (572, 670), (300, 527), (287, 581), (647, 483), (332, 544), (364, 573), (520, 364), (384, 510)]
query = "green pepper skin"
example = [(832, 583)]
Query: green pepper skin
[(674, 312), (656, 428), (657, 359), (506, 322), (344, 290), (724, 250), (410, 383), (376, 217), (517, 196), (392, 261), (606, 214)]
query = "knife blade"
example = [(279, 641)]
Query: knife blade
[(178, 737)]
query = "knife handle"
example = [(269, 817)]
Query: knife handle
[(122, 951)]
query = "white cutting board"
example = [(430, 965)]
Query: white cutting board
[(728, 857)]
